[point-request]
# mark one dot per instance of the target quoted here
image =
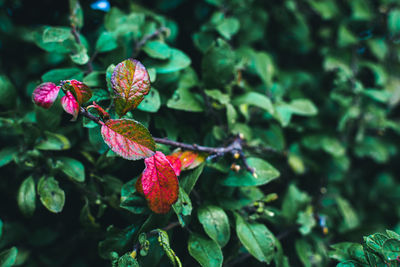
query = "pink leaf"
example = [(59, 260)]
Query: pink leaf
[(45, 94), (130, 82), (80, 90), (175, 163), (128, 138), (70, 105), (160, 184)]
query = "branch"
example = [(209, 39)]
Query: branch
[(235, 148), (75, 33)]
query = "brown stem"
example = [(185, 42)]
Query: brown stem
[(235, 148)]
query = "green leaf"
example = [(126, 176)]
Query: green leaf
[(391, 249), (255, 99), (376, 241), (53, 141), (177, 61), (8, 257), (27, 197), (264, 173), (157, 49), (106, 42), (126, 260), (163, 240), (80, 55), (151, 102), (218, 65), (256, 238), (51, 195), (188, 179), (7, 154), (264, 67), (57, 75), (304, 252), (377, 95), (130, 200), (116, 240), (76, 14), (350, 218), (206, 252), (8, 93), (294, 201), (228, 27), (183, 207), (215, 223), (306, 220), (73, 168), (183, 99), (303, 107), (56, 34), (393, 23)]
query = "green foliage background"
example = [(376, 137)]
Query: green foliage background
[(312, 85)]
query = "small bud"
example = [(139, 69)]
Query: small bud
[(241, 136), (98, 202), (255, 175), (269, 213), (235, 167), (236, 155), (133, 254), (323, 190)]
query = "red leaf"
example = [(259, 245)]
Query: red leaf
[(130, 82), (45, 94), (175, 163), (190, 159), (128, 138), (80, 90), (70, 105), (159, 183)]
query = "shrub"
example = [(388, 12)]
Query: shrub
[(199, 133)]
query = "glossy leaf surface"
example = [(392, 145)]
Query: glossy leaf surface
[(128, 138), (70, 105)]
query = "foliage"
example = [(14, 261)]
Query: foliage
[(203, 133)]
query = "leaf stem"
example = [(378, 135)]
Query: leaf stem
[(89, 64)]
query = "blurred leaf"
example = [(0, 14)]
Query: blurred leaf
[(151, 102), (157, 49), (188, 179), (255, 99), (391, 249), (183, 99), (7, 154), (53, 141), (73, 168), (51, 195), (57, 75), (218, 65), (27, 197), (228, 27), (8, 92), (177, 61), (294, 201), (350, 218), (8, 257), (106, 42), (393, 22)]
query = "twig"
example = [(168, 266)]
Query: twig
[(75, 33), (238, 260), (235, 148), (146, 38)]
